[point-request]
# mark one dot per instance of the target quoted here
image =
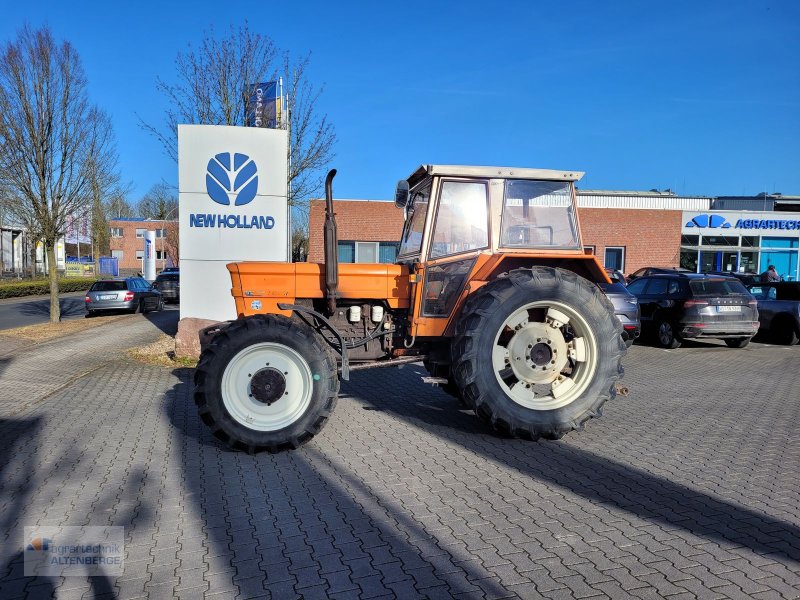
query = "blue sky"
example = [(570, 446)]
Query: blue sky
[(700, 97)]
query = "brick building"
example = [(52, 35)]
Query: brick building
[(127, 242), (368, 230), (627, 230)]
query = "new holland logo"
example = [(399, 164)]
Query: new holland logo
[(712, 221), (232, 176), (231, 180)]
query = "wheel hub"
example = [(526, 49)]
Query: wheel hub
[(538, 353), (541, 354), (267, 386)]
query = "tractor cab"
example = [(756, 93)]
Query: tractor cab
[(479, 220)]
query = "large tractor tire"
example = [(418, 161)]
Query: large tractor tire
[(538, 352), (266, 382)]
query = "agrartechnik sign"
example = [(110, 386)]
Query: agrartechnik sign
[(233, 207)]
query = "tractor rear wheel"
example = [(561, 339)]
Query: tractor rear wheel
[(266, 382), (538, 352)]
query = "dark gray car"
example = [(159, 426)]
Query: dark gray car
[(132, 294), (779, 310), (169, 284), (690, 306), (626, 308)]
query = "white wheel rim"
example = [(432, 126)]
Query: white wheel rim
[(257, 415), (544, 355)]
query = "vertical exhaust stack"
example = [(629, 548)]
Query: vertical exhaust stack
[(331, 246)]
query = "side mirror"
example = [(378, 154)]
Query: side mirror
[(401, 194)]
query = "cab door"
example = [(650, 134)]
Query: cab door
[(459, 233)]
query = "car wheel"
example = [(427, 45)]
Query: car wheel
[(737, 342), (665, 335)]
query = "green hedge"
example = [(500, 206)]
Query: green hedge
[(35, 287)]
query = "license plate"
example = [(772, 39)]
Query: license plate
[(108, 297), (728, 308)]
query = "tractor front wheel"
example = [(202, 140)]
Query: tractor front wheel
[(266, 382), (538, 352)]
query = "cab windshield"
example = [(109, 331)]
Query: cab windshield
[(538, 214)]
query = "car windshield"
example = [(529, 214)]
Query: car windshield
[(716, 287), (168, 277), (108, 286)]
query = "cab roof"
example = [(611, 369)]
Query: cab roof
[(493, 172)]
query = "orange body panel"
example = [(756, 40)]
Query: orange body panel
[(273, 283)]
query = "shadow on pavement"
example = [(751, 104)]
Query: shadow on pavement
[(296, 511), (20, 481), (71, 306), (166, 320), (595, 478)]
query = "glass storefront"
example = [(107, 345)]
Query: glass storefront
[(742, 254)]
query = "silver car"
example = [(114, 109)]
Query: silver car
[(626, 308), (132, 294)]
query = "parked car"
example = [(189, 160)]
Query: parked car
[(616, 276), (169, 284), (779, 310), (645, 271), (133, 294), (694, 306), (626, 308), (745, 278)]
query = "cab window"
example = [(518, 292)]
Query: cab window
[(411, 241), (539, 214), (462, 223)]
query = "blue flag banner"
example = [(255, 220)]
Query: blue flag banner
[(262, 105)]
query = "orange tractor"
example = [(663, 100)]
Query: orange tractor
[(492, 291)]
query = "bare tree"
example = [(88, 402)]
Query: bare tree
[(53, 139), (118, 207), (160, 202), (213, 87), (172, 242)]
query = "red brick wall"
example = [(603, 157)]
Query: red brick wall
[(129, 243), (363, 221), (650, 237)]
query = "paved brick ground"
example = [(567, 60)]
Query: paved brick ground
[(686, 488)]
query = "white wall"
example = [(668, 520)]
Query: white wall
[(254, 230)]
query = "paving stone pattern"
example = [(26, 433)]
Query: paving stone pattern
[(687, 488)]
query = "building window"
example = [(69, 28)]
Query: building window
[(159, 255), (140, 233), (160, 233), (388, 252), (615, 258), (589, 250), (347, 252), (139, 254), (116, 232), (118, 254), (366, 252), (690, 240)]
